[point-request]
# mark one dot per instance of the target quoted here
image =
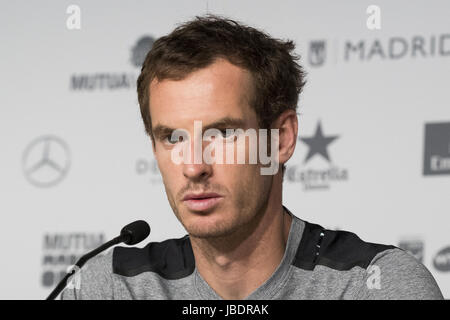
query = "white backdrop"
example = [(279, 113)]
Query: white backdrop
[(76, 165)]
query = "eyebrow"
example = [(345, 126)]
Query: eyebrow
[(161, 130)]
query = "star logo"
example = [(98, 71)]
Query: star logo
[(318, 144)]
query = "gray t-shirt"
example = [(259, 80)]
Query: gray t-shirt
[(317, 264)]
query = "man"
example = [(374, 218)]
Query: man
[(242, 243)]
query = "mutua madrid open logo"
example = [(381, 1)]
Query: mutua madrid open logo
[(94, 81), (393, 48), (61, 250), (322, 174)]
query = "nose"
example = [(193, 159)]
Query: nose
[(197, 171)]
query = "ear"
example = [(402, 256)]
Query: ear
[(287, 123)]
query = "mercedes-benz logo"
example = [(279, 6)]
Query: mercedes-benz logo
[(46, 161)]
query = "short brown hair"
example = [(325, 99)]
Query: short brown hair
[(193, 45)]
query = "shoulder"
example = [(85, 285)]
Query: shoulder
[(336, 249), (170, 259), (395, 274), (92, 281), (386, 272)]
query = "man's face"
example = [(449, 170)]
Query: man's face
[(240, 193)]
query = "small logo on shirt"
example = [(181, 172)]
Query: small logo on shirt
[(374, 279)]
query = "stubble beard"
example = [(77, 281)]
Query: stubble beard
[(250, 205)]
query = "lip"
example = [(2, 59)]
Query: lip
[(202, 195), (202, 201)]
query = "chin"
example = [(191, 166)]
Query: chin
[(209, 234), (208, 227)]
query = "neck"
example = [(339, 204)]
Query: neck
[(236, 266)]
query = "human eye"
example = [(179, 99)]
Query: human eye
[(227, 133), (173, 138)]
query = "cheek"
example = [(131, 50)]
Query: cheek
[(171, 183), (163, 156), (240, 179), (248, 187)]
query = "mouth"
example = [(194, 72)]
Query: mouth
[(202, 201)]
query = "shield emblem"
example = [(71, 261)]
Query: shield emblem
[(317, 53)]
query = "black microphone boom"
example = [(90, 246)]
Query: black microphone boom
[(131, 234)]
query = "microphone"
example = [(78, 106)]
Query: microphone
[(131, 234)]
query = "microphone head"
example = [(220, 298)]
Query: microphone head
[(135, 232)]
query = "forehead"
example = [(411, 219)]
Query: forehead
[(219, 90)]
